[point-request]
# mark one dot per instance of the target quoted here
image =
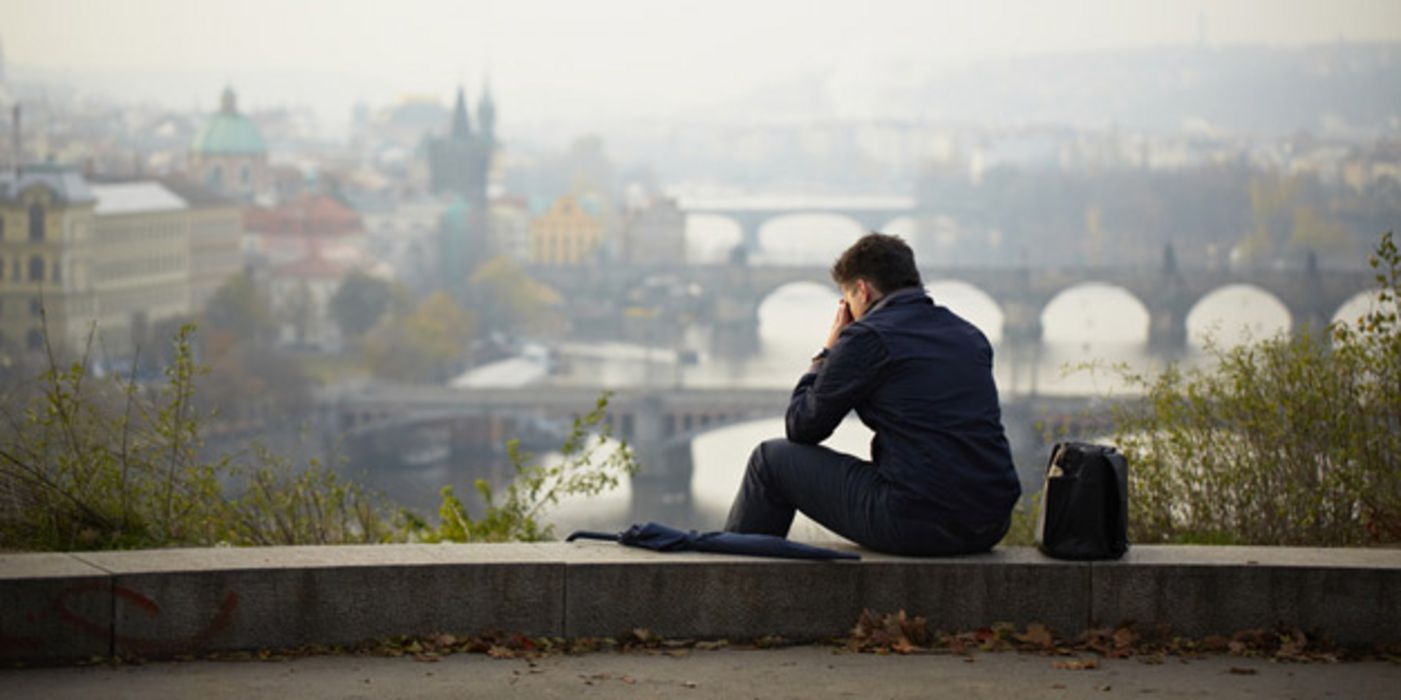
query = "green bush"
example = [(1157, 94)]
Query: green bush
[(1294, 440), (89, 463), (520, 516)]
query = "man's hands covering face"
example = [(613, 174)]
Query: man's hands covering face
[(843, 319)]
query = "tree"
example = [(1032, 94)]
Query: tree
[(423, 346), (238, 311), (511, 301), (299, 311), (359, 303)]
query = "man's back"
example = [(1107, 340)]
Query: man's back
[(940, 480), (921, 378)]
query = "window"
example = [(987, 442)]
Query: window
[(2, 269), (36, 269), (36, 339), (58, 271), (215, 176), (2, 228), (243, 175), (36, 307), (36, 222)]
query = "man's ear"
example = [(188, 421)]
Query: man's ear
[(868, 290)]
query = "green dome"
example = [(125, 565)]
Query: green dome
[(227, 131)]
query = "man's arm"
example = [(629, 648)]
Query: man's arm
[(835, 385)]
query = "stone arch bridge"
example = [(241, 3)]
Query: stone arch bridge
[(1169, 293), (659, 423), (871, 213)]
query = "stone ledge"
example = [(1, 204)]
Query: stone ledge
[(165, 602)]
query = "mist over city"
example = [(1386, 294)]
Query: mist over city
[(408, 234)]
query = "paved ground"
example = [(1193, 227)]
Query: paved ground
[(798, 672)]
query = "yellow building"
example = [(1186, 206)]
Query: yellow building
[(216, 238), (46, 228), (141, 262), (566, 234)]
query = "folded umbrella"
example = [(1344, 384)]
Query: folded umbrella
[(661, 538)]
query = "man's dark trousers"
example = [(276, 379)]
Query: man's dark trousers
[(847, 496)]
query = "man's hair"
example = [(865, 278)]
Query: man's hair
[(883, 261)]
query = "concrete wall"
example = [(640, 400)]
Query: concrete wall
[(162, 603)]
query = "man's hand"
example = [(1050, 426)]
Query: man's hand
[(842, 320)]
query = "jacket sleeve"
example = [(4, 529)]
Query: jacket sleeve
[(825, 395)]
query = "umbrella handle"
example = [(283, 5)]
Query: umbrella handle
[(590, 535)]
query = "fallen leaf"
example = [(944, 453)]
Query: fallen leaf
[(710, 646), (1243, 671), (1076, 664), (1037, 635)]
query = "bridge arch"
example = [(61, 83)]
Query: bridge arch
[(806, 238), (711, 238), (1097, 311), (1358, 306), (1236, 313), (903, 226), (973, 304), (793, 317)]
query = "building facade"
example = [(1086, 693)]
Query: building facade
[(566, 234), (216, 238), (311, 224), (141, 263), (655, 234), (46, 230)]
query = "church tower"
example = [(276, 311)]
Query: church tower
[(459, 165)]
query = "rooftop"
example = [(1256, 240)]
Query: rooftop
[(135, 197), (67, 184), (228, 132)]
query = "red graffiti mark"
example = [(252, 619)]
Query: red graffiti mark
[(221, 620)]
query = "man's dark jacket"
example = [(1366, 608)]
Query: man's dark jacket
[(921, 378)]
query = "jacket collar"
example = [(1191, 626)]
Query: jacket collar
[(899, 296)]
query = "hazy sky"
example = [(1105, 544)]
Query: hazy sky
[(600, 59)]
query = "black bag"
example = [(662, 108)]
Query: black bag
[(1085, 503)]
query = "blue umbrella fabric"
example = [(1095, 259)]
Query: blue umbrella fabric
[(662, 538)]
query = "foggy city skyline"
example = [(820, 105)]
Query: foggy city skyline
[(585, 66), (372, 211)]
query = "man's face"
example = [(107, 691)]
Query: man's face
[(858, 296)]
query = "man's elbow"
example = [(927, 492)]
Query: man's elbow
[(803, 433)]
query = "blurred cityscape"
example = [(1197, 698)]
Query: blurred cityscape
[(414, 292)]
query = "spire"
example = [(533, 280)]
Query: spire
[(228, 102), (486, 110), (461, 126)]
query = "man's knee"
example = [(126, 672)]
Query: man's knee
[(767, 453)]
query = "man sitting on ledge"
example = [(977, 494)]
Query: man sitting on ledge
[(941, 480)]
